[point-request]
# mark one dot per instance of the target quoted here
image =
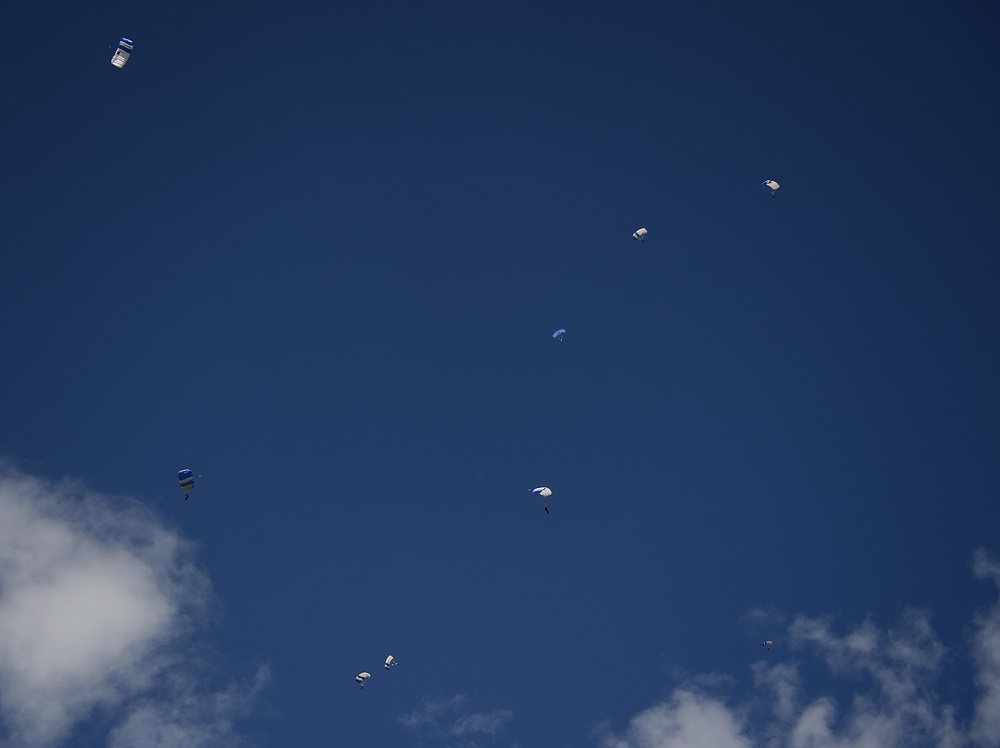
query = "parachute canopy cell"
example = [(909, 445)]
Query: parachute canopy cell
[(186, 479), (640, 234), (558, 334), (390, 661), (121, 55), (542, 491)]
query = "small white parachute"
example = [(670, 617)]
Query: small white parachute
[(767, 644), (390, 661), (542, 491), (770, 184), (121, 55), (640, 235), (361, 678)]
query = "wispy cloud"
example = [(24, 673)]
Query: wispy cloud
[(688, 719), (98, 601), (454, 722), (986, 653), (895, 674), (185, 714)]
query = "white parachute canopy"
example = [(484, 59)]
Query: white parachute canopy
[(768, 644), (124, 51), (542, 491), (390, 661), (640, 234), (362, 677), (771, 185)]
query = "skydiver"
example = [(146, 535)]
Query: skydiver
[(546, 508)]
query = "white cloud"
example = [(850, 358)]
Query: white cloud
[(453, 721), (97, 603), (782, 683), (191, 717), (689, 719), (986, 653), (894, 674)]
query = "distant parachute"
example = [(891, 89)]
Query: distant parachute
[(558, 334), (771, 184), (640, 235), (390, 661), (543, 491), (361, 678), (768, 644), (121, 55), (186, 479)]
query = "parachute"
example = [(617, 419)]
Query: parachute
[(767, 644), (121, 55), (543, 491), (640, 235), (186, 479), (361, 678), (558, 334), (770, 183), (390, 661)]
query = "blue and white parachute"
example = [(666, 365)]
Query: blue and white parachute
[(640, 234), (770, 184), (121, 55), (558, 334), (186, 479)]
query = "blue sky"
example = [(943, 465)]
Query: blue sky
[(316, 254)]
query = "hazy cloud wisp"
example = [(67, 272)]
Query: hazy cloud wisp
[(452, 719)]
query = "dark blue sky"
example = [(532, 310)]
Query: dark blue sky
[(316, 254)]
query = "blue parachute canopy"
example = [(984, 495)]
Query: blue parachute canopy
[(558, 334), (186, 479), (121, 55)]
